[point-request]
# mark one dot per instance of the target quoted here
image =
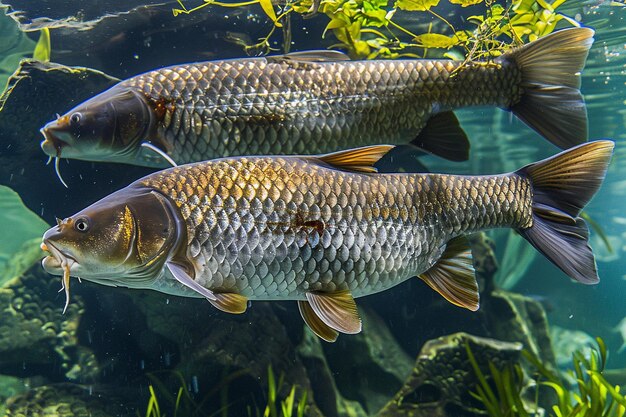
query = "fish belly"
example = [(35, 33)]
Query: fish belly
[(364, 259)]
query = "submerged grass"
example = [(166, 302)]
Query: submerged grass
[(592, 396), (184, 405), (505, 400), (288, 406)]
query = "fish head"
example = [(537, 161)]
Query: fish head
[(123, 239), (107, 127)]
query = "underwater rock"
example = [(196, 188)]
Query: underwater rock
[(251, 344), (65, 400), (330, 400), (51, 84), (23, 166), (377, 367), (236, 347), (34, 332), (517, 318), (9, 387), (566, 342), (442, 377), (485, 260)]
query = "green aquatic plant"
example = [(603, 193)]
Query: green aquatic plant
[(287, 405), (505, 400), (184, 405), (367, 29), (517, 258), (592, 395), (153, 409), (181, 405), (597, 228), (43, 49)]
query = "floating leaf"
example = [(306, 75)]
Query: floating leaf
[(435, 40), (476, 19), (523, 19), (466, 3), (374, 15), (268, 8), (361, 48), (334, 24), (43, 49), (416, 5), (545, 5)]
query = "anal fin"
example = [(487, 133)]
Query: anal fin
[(316, 325), (230, 302), (443, 136), (337, 310), (453, 275)]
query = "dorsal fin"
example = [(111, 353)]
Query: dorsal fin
[(453, 275), (357, 160), (310, 56)]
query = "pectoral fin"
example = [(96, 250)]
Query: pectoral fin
[(453, 275), (230, 302), (337, 310), (182, 275), (315, 323), (444, 137)]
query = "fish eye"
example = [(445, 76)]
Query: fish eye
[(81, 224), (75, 119)]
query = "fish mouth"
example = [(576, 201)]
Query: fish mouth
[(58, 263), (53, 145), (52, 133)]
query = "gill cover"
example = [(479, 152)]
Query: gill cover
[(109, 126), (123, 239)]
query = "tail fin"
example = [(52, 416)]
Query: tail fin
[(562, 185), (551, 102)]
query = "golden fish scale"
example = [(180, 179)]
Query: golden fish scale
[(274, 228), (258, 106)]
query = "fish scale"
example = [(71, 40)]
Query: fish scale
[(323, 229), (256, 105), (318, 102), (263, 228)]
